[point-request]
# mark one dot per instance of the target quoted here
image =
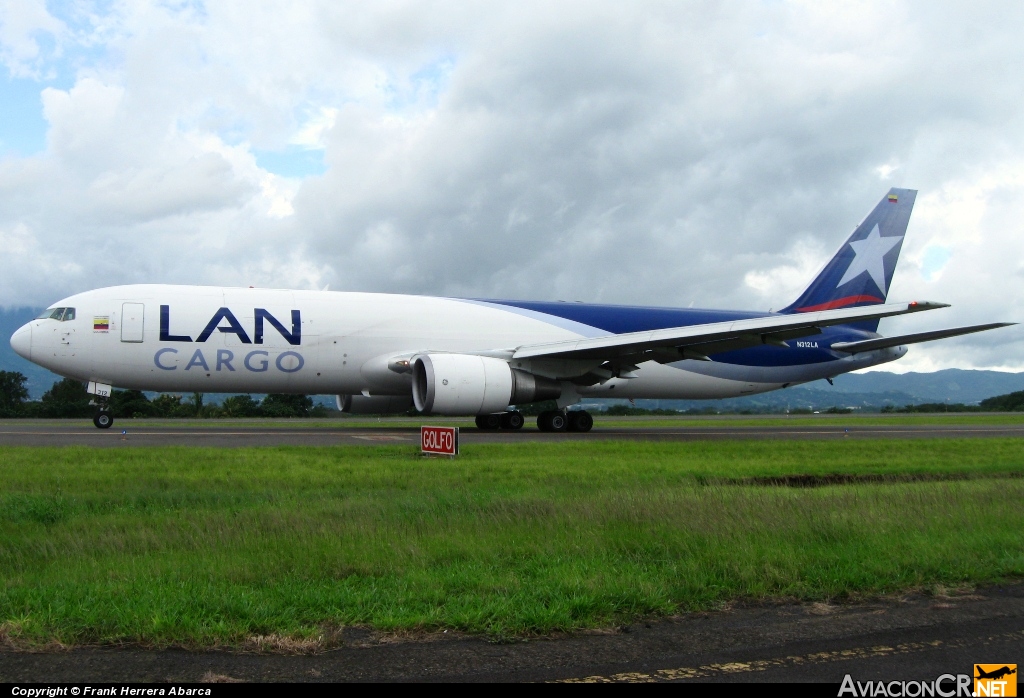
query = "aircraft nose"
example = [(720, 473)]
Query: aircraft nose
[(21, 342)]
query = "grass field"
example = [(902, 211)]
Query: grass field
[(209, 547)]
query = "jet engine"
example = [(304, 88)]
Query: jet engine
[(374, 404), (462, 384)]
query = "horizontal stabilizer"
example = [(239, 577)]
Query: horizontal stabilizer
[(886, 342), (727, 335)]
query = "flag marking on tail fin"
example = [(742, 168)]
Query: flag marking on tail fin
[(893, 198)]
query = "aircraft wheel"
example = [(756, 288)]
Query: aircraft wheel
[(580, 421), (558, 421), (542, 421), (103, 419), (512, 420), (488, 422), (552, 421)]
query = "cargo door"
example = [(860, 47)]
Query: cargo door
[(132, 322)]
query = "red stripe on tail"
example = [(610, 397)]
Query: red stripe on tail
[(840, 303)]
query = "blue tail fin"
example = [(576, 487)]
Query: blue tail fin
[(860, 272)]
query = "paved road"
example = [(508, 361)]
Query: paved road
[(258, 433), (915, 637)]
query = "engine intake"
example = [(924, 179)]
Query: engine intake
[(462, 384)]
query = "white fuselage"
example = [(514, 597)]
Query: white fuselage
[(149, 337)]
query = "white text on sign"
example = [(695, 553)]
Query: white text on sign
[(440, 440)]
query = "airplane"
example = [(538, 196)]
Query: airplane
[(995, 674), (385, 353)]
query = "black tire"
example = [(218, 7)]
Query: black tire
[(488, 422), (580, 421), (103, 420), (512, 420), (542, 421), (557, 421)]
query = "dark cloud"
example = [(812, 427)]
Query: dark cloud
[(661, 153)]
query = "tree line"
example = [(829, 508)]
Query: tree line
[(68, 399), (1011, 402)]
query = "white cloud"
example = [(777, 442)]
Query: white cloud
[(25, 28), (783, 283), (312, 133), (885, 171), (18, 241), (655, 154)]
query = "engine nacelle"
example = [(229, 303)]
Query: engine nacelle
[(462, 384), (374, 404)]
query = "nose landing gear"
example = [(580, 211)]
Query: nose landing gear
[(103, 419)]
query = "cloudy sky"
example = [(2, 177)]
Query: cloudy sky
[(649, 153)]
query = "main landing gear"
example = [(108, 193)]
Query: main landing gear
[(553, 420), (501, 420), (557, 420)]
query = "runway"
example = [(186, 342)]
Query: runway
[(912, 637), (129, 433)]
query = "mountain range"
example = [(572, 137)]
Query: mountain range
[(869, 391)]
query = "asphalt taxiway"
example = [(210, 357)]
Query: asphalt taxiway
[(127, 433)]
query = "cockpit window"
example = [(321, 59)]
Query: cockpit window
[(61, 314)]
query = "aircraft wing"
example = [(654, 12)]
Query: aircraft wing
[(698, 341), (885, 342)]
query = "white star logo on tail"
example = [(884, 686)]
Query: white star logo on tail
[(869, 253)]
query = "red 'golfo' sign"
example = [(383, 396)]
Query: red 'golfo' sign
[(443, 440)]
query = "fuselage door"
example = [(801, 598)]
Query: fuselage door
[(131, 322)]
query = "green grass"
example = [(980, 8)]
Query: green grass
[(209, 547)]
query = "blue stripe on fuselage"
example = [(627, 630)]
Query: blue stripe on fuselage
[(620, 319)]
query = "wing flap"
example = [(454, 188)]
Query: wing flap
[(734, 333), (886, 342), (698, 350)]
